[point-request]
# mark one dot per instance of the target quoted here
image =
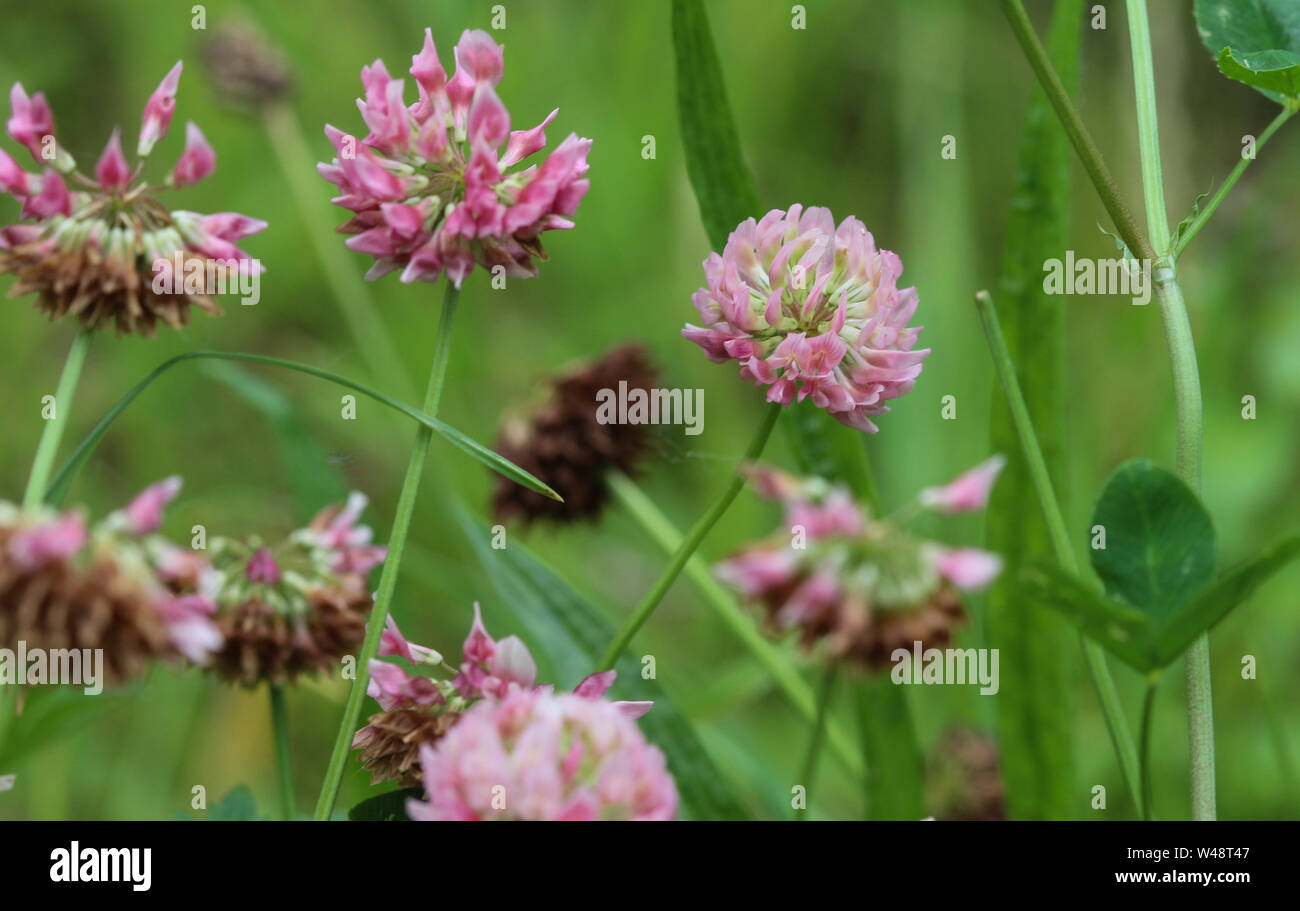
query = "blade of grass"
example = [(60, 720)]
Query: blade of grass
[(58, 487), (1035, 728)]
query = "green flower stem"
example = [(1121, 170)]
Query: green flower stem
[(48, 447), (350, 291), (778, 666), (1084, 146), (808, 771), (388, 577), (58, 487), (1120, 735), (689, 545), (1148, 722), (1187, 392), (1198, 221), (283, 753)]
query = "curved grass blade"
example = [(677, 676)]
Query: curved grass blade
[(58, 487)]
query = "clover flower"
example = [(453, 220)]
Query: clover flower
[(64, 585), (105, 249), (299, 606), (811, 310), (431, 184), (419, 710), (863, 585), (540, 755)]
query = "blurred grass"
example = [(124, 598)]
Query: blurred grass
[(847, 113)]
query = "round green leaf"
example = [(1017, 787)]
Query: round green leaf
[(1159, 539)]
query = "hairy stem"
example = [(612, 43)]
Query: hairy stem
[(808, 770), (773, 659), (388, 577), (1187, 392), (689, 545), (48, 447), (283, 752), (1120, 735)]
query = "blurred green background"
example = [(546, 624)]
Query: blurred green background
[(848, 113)]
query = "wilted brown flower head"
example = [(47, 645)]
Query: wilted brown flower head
[(964, 781), (564, 444)]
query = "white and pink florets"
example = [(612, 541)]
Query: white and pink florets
[(431, 183), (811, 310)]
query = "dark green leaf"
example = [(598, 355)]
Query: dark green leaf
[(572, 635), (387, 807), (722, 182), (1254, 41), (1159, 539), (1120, 629), (1036, 730), (1213, 603)]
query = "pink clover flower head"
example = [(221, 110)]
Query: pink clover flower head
[(433, 187), (539, 755), (105, 248), (863, 586), (811, 310)]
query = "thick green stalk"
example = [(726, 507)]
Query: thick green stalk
[(48, 447), (1084, 146), (349, 289), (1187, 391), (388, 577), (808, 771), (283, 751), (1120, 735), (1199, 220), (689, 545), (772, 658)]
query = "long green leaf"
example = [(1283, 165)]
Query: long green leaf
[(571, 634), (1035, 720), (723, 185), (58, 487)]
